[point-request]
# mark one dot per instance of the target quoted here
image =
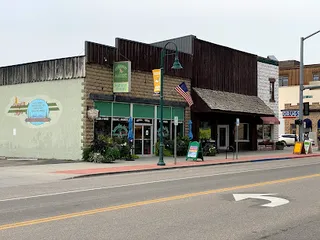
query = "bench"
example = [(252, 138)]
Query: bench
[(266, 145)]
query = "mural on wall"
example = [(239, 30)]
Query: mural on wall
[(35, 112)]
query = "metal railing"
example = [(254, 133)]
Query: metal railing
[(228, 149)]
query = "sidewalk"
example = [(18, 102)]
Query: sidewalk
[(14, 173), (150, 164)]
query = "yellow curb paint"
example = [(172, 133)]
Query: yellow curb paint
[(148, 202)]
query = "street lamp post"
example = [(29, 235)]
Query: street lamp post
[(301, 138), (176, 65)]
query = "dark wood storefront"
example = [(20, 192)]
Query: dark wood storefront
[(216, 112)]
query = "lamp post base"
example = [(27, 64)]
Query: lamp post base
[(161, 163)]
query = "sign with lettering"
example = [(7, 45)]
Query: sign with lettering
[(35, 111), (308, 96), (290, 113), (194, 151), (307, 146), (122, 77), (143, 120)]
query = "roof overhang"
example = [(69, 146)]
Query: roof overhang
[(233, 102)]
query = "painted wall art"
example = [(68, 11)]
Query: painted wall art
[(35, 111)]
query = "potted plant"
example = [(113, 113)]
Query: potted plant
[(279, 145)]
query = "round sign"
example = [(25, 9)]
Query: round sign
[(38, 112)]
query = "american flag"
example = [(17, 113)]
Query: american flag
[(183, 91)]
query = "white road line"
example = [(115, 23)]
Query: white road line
[(150, 182)]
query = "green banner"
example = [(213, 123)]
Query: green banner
[(122, 77), (194, 151)]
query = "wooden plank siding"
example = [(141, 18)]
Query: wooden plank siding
[(293, 73), (224, 69), (49, 70), (145, 57), (99, 53)]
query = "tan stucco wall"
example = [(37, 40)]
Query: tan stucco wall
[(99, 79), (290, 95), (59, 138)]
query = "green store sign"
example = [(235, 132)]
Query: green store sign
[(122, 77)]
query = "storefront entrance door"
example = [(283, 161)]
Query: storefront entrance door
[(143, 139), (223, 136)]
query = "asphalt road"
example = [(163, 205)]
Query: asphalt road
[(192, 204)]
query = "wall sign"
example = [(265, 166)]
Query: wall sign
[(290, 113), (122, 77), (143, 120), (35, 111), (120, 119)]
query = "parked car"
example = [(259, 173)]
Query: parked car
[(288, 139)]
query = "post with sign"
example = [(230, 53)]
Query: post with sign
[(237, 136), (175, 139)]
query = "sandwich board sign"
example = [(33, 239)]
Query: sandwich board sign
[(298, 148), (307, 147), (194, 151)]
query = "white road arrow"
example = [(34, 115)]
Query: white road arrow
[(274, 201)]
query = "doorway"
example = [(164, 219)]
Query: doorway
[(143, 139), (223, 136)]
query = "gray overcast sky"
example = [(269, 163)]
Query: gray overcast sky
[(40, 29)]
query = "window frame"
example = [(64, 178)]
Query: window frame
[(246, 134), (281, 81), (272, 90), (315, 74)]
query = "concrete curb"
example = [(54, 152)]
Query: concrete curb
[(189, 166)]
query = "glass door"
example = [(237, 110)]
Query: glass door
[(138, 139), (223, 136), (147, 137), (143, 139)]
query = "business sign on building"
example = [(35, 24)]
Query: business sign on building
[(122, 77), (290, 113)]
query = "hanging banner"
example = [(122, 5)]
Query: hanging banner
[(156, 80), (122, 77)]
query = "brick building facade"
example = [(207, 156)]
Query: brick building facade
[(312, 121), (268, 92), (98, 90)]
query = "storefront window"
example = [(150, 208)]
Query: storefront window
[(102, 127), (267, 131), (179, 130), (120, 127), (260, 131), (166, 129), (243, 131), (264, 131), (205, 131)]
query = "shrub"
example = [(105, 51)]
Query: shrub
[(204, 134), (86, 154), (106, 149), (167, 152), (209, 149), (182, 147), (111, 154), (96, 157)]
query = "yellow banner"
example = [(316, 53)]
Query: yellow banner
[(156, 80)]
